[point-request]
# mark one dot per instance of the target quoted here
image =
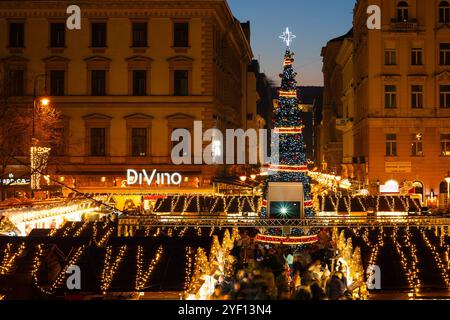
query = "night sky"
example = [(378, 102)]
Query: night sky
[(314, 22)]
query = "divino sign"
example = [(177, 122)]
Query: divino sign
[(143, 177)]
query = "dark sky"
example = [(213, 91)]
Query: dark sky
[(314, 22)]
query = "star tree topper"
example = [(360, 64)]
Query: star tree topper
[(287, 37)]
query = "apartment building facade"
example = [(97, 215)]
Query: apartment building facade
[(395, 105), (134, 73)]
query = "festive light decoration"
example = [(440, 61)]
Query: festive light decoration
[(351, 258), (298, 130), (48, 215), (80, 230), (291, 241), (110, 229), (39, 157), (285, 168), (292, 162), (62, 275), (220, 262), (288, 94), (188, 270), (141, 275), (288, 37), (9, 257), (110, 268), (443, 268)]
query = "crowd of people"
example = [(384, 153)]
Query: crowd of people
[(275, 272)]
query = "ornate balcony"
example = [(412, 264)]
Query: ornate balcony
[(344, 124), (404, 26)]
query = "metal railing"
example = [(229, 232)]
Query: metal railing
[(246, 222)]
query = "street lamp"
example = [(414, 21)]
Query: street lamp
[(41, 100), (36, 153), (243, 178), (447, 179)]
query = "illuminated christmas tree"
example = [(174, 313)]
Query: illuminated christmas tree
[(291, 165)]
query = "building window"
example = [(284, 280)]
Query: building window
[(391, 145), (444, 96), (16, 35), (417, 97), (98, 82), (181, 82), (390, 97), (181, 34), (58, 148), (182, 153), (390, 57), (445, 145), (444, 54), (417, 56), (402, 11), (57, 82), (139, 83), (57, 35), (139, 34), (444, 12), (417, 145), (16, 83), (98, 34), (139, 142), (98, 142)]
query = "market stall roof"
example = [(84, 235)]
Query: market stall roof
[(169, 273)]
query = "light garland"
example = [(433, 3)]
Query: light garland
[(288, 94), (405, 203), (391, 205), (287, 240), (38, 162), (362, 204), (287, 168), (104, 239), (62, 275), (10, 257), (411, 264), (411, 277), (110, 268), (188, 269), (348, 204), (444, 269), (141, 276), (335, 203), (288, 130)]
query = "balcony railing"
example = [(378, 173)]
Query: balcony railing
[(344, 124), (404, 26)]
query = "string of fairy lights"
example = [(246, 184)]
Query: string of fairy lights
[(111, 266), (189, 258), (374, 255), (411, 274), (439, 262), (141, 275), (411, 263), (38, 261), (10, 256), (110, 229)]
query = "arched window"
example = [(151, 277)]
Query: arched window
[(443, 188), (418, 188), (444, 12), (402, 11)]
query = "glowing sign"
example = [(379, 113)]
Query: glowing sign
[(391, 186), (139, 178)]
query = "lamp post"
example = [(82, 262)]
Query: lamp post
[(37, 101), (447, 179), (42, 100)]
